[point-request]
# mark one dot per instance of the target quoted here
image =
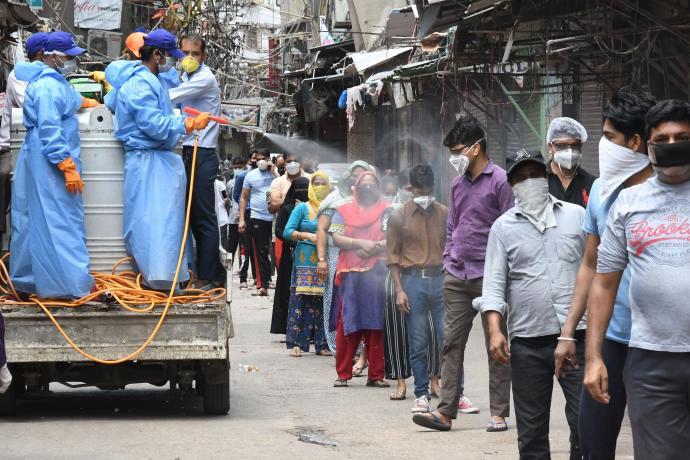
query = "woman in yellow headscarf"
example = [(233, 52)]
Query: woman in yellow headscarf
[(305, 316)]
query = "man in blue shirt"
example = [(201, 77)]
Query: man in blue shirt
[(245, 247), (623, 163), (255, 190), (199, 90)]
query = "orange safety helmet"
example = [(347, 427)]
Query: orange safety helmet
[(134, 42)]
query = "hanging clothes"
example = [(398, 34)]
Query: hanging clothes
[(49, 255), (155, 179)]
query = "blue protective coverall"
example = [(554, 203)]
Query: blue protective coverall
[(155, 180), (49, 255)]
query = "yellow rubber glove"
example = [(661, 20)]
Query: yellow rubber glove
[(73, 182), (87, 103), (99, 76), (199, 122)]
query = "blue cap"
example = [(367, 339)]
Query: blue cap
[(161, 38), (36, 43), (142, 30), (62, 42)]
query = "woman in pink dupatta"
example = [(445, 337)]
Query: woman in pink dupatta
[(362, 269)]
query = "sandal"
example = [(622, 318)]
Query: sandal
[(495, 427), (260, 293), (244, 286), (398, 395), (378, 384), (296, 352), (324, 353), (340, 383), (358, 371), (431, 421)]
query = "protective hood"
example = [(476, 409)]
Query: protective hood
[(118, 72), (32, 71)]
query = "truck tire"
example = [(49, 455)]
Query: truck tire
[(217, 396), (8, 401)]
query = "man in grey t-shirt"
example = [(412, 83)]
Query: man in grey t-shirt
[(648, 230)]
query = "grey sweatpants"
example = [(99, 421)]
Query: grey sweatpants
[(658, 388)]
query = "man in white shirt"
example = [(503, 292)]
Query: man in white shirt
[(199, 90), (14, 98), (281, 184)]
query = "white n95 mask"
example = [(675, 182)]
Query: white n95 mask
[(460, 163)]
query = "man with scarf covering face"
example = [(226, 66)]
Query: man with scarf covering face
[(647, 233), (532, 258), (623, 163), (363, 271)]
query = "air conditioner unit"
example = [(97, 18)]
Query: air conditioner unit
[(102, 43)]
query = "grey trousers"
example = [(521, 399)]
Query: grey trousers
[(457, 296), (533, 373), (658, 388)]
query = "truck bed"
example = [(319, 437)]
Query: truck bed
[(108, 331)]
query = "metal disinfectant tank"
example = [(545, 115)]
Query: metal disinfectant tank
[(102, 159)]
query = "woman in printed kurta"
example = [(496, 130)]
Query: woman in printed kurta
[(305, 316)]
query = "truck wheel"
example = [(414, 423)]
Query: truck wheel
[(217, 396), (8, 401)]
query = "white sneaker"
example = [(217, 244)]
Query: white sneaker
[(465, 406), (421, 405)]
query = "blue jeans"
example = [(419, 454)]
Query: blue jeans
[(426, 296)]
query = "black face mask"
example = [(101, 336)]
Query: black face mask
[(369, 195), (675, 154)]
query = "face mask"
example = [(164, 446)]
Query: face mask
[(616, 165), (262, 164), (169, 64), (189, 64), (253, 165), (532, 198), (404, 195), (321, 191), (675, 154), (369, 194), (460, 163), (68, 67), (568, 158), (293, 168), (423, 201)]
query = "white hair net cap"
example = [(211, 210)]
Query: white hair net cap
[(566, 128)]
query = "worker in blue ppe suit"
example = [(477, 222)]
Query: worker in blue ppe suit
[(155, 180), (49, 255)]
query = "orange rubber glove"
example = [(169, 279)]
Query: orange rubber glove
[(73, 182), (87, 103), (199, 122)]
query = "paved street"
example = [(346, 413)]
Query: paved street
[(274, 410)]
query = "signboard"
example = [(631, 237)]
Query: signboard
[(97, 14), (242, 114)]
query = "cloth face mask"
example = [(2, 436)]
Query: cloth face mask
[(532, 198), (616, 165)]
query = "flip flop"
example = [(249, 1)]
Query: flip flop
[(259, 293), (495, 427), (378, 384), (358, 371), (398, 395), (340, 383), (431, 421)]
